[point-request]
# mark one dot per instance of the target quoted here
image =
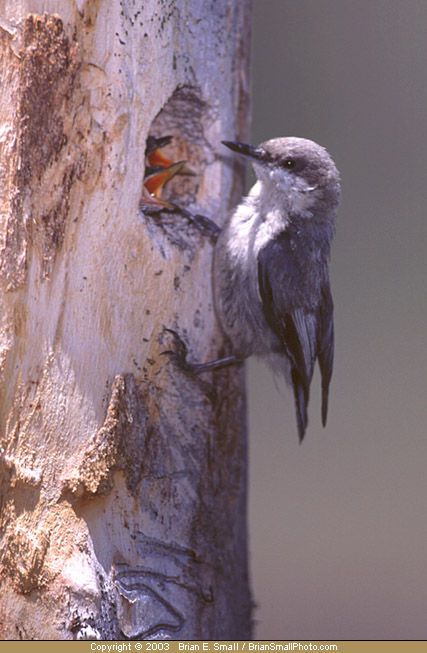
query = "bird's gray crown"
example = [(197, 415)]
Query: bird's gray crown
[(301, 156)]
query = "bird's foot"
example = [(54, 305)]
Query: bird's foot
[(180, 352)]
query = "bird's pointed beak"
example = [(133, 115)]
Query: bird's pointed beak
[(249, 151), (156, 159), (155, 182), (150, 202)]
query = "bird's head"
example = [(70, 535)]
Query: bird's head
[(295, 171)]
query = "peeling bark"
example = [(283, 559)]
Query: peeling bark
[(122, 478)]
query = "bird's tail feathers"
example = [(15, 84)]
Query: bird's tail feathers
[(325, 395), (301, 393)]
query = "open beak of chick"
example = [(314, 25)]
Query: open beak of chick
[(158, 171)]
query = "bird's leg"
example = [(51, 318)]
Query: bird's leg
[(215, 365), (179, 355)]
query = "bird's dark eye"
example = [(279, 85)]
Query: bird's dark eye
[(289, 164)]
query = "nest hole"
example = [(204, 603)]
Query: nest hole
[(182, 118)]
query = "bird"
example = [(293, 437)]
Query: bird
[(158, 171), (270, 274), (155, 159), (154, 182)]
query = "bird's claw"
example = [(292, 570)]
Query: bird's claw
[(179, 353)]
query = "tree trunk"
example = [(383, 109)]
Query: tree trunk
[(122, 478)]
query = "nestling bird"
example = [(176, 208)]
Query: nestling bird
[(271, 277), (158, 171)]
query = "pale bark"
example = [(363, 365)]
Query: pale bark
[(122, 478)]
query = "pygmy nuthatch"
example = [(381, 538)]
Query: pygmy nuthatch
[(271, 277)]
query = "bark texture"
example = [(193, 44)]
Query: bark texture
[(122, 478)]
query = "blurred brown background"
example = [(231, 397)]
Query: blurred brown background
[(339, 525)]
